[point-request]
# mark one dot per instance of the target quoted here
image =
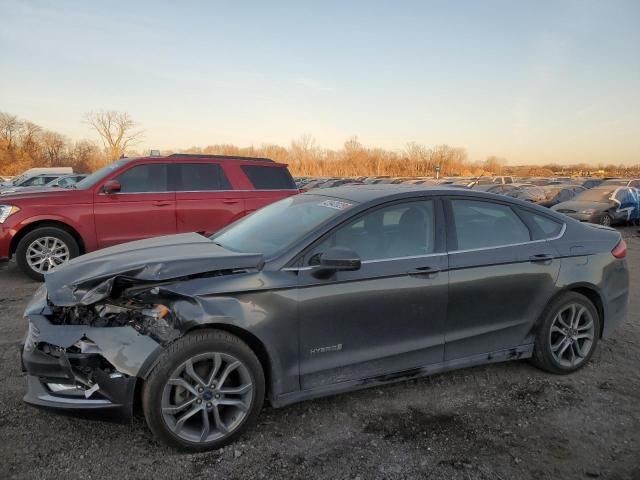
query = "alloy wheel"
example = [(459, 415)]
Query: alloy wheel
[(571, 336), (207, 397), (47, 253), (606, 221)]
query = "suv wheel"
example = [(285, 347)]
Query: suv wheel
[(568, 335), (45, 249), (206, 389)]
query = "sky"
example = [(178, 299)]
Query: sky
[(530, 81)]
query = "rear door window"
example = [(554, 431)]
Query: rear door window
[(269, 178), (144, 179), (481, 224), (199, 177)]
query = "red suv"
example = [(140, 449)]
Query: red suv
[(136, 198)]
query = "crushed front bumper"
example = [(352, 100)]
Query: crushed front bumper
[(55, 383), (100, 381)]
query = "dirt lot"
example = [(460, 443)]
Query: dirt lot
[(503, 421)]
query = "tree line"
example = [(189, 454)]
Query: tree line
[(23, 145)]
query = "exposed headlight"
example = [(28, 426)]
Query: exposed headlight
[(6, 211), (587, 211)]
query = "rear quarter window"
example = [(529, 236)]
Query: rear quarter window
[(269, 178), (542, 227)]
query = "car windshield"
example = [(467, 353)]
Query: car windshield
[(601, 195), (274, 228), (18, 180), (98, 175)]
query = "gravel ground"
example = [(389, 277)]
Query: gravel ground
[(502, 421)]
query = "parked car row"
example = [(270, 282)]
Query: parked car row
[(44, 180), (44, 223), (613, 201), (34, 172)]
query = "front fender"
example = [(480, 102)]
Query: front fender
[(81, 223), (269, 316)]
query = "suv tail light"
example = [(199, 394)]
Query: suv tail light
[(620, 250)]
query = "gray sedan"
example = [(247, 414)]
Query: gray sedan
[(317, 294)]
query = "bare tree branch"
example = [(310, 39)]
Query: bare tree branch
[(116, 129)]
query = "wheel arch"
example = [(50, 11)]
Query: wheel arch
[(252, 341), (46, 223)]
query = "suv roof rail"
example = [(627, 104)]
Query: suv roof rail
[(221, 157)]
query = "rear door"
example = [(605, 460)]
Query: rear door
[(143, 208), (206, 200), (502, 274)]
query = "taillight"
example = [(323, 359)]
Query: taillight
[(620, 250)]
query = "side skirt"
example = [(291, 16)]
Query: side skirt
[(517, 353)]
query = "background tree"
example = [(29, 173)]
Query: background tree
[(54, 149), (10, 129), (116, 129)]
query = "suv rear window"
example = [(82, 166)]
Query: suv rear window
[(269, 178), (198, 177)]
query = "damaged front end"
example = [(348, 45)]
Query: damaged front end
[(88, 357), (100, 322)]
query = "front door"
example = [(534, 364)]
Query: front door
[(143, 208), (388, 316)]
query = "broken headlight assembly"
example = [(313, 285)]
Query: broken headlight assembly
[(155, 320)]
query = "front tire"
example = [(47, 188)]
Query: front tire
[(45, 249), (207, 388), (568, 335)]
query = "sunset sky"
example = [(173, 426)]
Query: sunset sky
[(533, 82)]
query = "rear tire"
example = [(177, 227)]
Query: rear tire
[(606, 220), (206, 389), (44, 249), (568, 335)]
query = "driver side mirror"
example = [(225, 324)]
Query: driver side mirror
[(111, 186), (337, 259)]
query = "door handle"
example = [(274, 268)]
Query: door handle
[(161, 204), (428, 272), (230, 202), (541, 258)]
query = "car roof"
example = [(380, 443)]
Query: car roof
[(368, 192)]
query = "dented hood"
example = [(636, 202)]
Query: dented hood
[(90, 278)]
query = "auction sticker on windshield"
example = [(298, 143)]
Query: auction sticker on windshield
[(336, 204)]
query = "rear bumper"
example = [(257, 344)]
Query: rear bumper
[(616, 292)]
